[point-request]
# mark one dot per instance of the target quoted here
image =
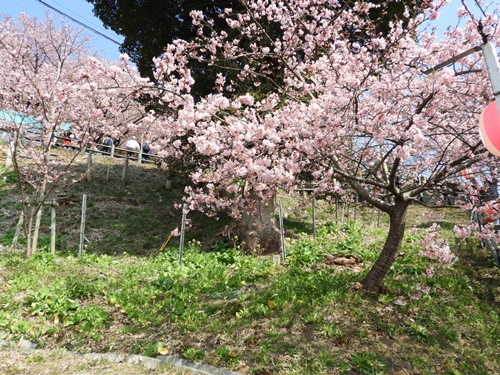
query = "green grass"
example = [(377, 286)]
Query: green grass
[(225, 309), (230, 309)]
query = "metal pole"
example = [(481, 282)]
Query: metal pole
[(282, 231), (336, 211), (183, 228), (53, 230), (371, 216), (491, 60), (314, 218), (490, 57), (140, 149), (82, 226), (355, 206)]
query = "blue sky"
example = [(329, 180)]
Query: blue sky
[(78, 9), (82, 11)]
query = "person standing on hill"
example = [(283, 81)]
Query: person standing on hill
[(107, 145), (132, 147), (146, 150)]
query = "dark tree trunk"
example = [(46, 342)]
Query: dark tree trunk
[(258, 229), (375, 277)]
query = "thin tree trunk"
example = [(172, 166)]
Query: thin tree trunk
[(375, 277), (18, 230)]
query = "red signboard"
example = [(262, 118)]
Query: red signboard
[(489, 128)]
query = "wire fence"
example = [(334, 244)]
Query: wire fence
[(489, 243), (344, 209)]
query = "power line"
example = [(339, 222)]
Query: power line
[(79, 22), (89, 22)]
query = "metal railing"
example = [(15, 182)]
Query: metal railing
[(487, 242), (109, 150)]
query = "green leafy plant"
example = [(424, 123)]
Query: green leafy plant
[(194, 354), (6, 178), (226, 354), (52, 302), (369, 363), (306, 316), (56, 304), (80, 289)]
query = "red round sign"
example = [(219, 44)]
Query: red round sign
[(489, 128)]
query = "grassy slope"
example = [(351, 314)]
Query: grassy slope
[(242, 312)]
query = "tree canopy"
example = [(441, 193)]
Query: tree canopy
[(347, 113), (149, 25), (50, 85)]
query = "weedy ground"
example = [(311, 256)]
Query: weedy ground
[(243, 311)]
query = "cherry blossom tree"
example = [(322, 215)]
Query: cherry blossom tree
[(50, 81), (371, 115)]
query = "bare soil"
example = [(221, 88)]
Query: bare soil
[(23, 361)]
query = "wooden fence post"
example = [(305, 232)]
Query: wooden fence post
[(125, 167), (10, 151), (89, 167)]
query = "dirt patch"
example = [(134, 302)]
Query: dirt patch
[(21, 361)]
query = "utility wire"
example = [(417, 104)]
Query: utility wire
[(79, 22), (88, 22)]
